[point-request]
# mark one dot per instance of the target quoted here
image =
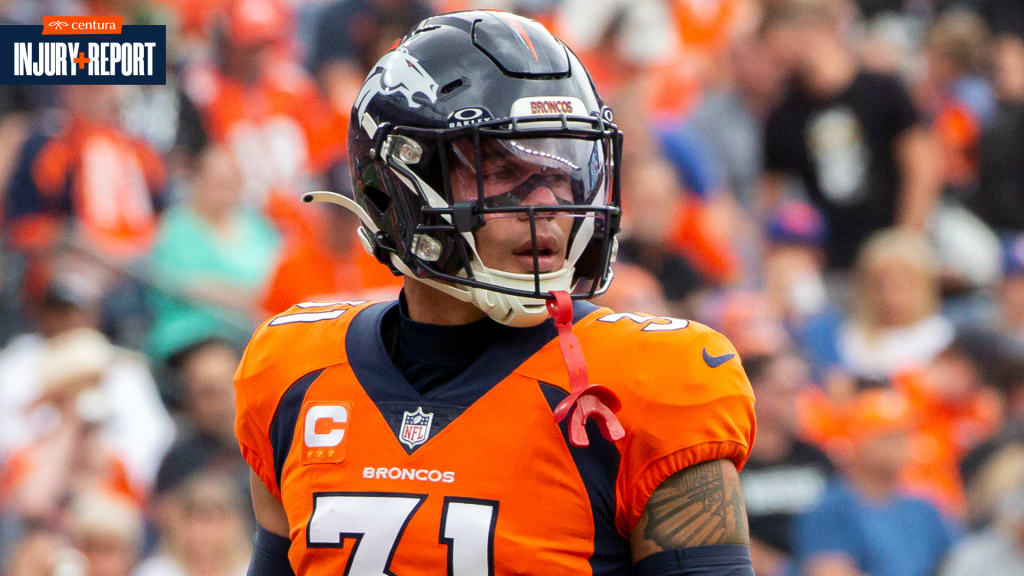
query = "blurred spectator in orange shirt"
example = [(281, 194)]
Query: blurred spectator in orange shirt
[(957, 96), (956, 409), (91, 175), (667, 49), (865, 523), (707, 27), (265, 109), (336, 268), (630, 47), (43, 371), (632, 50), (72, 451)]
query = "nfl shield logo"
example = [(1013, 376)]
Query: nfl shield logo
[(415, 427)]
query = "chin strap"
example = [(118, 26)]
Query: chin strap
[(587, 399)]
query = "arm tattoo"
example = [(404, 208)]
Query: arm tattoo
[(699, 506)]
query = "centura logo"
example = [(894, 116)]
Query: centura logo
[(397, 72), (82, 24)]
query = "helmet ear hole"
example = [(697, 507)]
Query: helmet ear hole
[(380, 200), (591, 267), (451, 86)]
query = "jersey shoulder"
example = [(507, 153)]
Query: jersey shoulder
[(308, 334), (306, 337), (301, 340), (662, 358), (684, 396)]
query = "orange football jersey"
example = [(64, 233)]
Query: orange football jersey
[(475, 477)]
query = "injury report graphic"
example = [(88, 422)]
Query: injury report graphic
[(83, 50)]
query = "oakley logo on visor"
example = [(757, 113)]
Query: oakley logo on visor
[(467, 116)]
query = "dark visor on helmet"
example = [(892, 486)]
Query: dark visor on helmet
[(506, 173)]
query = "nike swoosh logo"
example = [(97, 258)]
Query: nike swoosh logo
[(716, 361)]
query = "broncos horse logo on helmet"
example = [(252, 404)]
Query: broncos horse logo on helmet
[(397, 72)]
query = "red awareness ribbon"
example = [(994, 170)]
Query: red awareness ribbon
[(586, 400)]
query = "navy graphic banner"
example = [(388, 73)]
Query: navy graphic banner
[(138, 55)]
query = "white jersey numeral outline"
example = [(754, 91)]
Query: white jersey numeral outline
[(467, 529), (307, 317), (653, 323), (377, 521)]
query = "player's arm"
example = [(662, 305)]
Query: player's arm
[(270, 550), (694, 523), (256, 400), (269, 512)]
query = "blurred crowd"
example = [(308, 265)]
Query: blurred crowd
[(836, 185)]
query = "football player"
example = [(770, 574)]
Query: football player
[(484, 424)]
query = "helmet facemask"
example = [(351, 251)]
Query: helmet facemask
[(554, 177)]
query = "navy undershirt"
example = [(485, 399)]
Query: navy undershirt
[(429, 355)]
